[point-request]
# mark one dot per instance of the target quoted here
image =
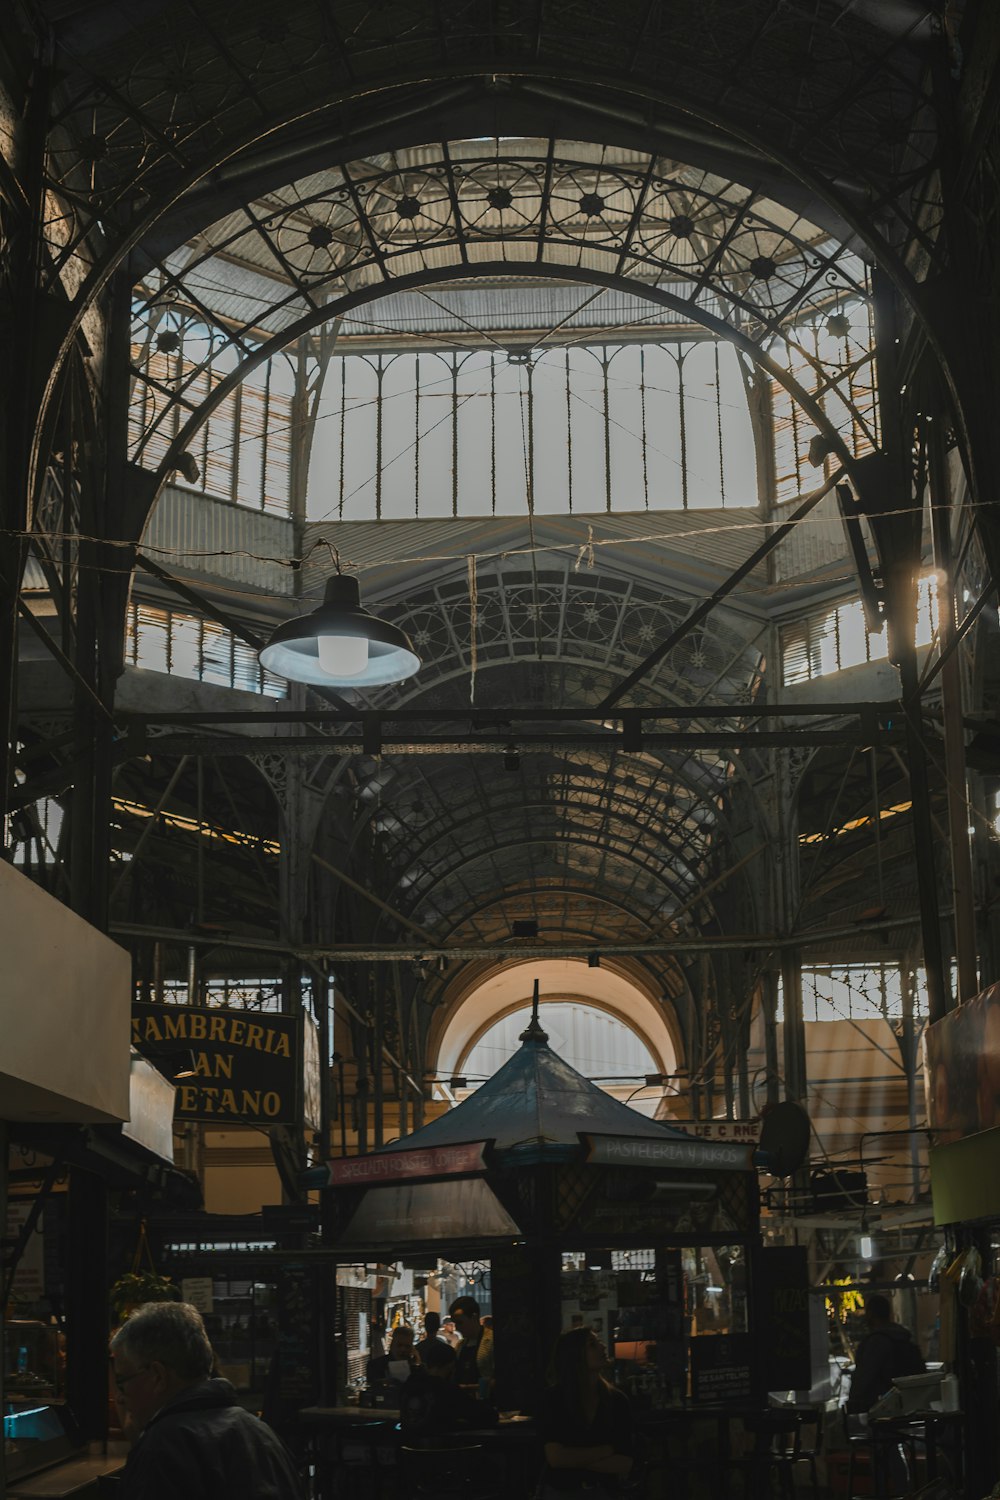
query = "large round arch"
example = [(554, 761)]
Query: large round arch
[(166, 134), (476, 1000)]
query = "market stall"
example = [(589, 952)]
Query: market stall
[(564, 1206)]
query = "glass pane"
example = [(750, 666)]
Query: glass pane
[(739, 453), (664, 476), (151, 638), (795, 654), (853, 637), (435, 427), (475, 434), (587, 452), (185, 645), (625, 432), (399, 437), (823, 646), (246, 668), (550, 429), (701, 427), (217, 655), (511, 433)]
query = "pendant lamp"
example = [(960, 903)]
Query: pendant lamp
[(340, 644)]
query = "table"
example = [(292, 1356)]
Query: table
[(354, 1449), (350, 1449), (938, 1433), (704, 1462), (78, 1476)]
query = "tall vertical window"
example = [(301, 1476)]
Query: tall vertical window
[(832, 358), (243, 450), (165, 640), (835, 638), (602, 427)]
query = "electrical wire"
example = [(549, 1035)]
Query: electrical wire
[(416, 559)]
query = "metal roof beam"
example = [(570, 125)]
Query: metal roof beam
[(394, 952)]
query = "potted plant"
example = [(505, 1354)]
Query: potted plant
[(136, 1287)]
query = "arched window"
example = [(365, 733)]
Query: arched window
[(598, 1045)]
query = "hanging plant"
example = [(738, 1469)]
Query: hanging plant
[(136, 1287)]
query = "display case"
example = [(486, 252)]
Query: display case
[(34, 1367), (37, 1435)]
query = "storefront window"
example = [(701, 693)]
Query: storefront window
[(650, 1307)]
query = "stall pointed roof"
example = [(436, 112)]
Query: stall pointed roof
[(536, 1097)]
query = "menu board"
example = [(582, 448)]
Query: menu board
[(780, 1282), (671, 1347), (298, 1345), (720, 1367)]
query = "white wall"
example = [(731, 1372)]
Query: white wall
[(65, 1012)]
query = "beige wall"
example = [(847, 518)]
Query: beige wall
[(65, 1011), (238, 1172)]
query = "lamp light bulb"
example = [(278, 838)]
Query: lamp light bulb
[(866, 1247), (342, 655)]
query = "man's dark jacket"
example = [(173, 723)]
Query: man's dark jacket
[(883, 1355), (203, 1446)]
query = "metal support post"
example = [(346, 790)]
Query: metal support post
[(769, 1006), (909, 1051), (87, 1285), (4, 1153), (786, 898), (378, 1061), (895, 517), (796, 1081), (963, 889)]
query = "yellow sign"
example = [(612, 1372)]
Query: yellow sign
[(228, 1066)]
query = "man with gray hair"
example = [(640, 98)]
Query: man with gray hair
[(192, 1441)]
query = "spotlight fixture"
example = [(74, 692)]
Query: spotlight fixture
[(340, 644), (593, 960), (820, 447)]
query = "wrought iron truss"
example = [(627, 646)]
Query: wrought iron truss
[(459, 810), (146, 112), (559, 637), (157, 125), (235, 166), (702, 251)]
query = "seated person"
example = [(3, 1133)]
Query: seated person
[(584, 1423), (432, 1406), (886, 1352), (387, 1373)]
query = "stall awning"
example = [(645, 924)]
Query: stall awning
[(434, 1211)]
